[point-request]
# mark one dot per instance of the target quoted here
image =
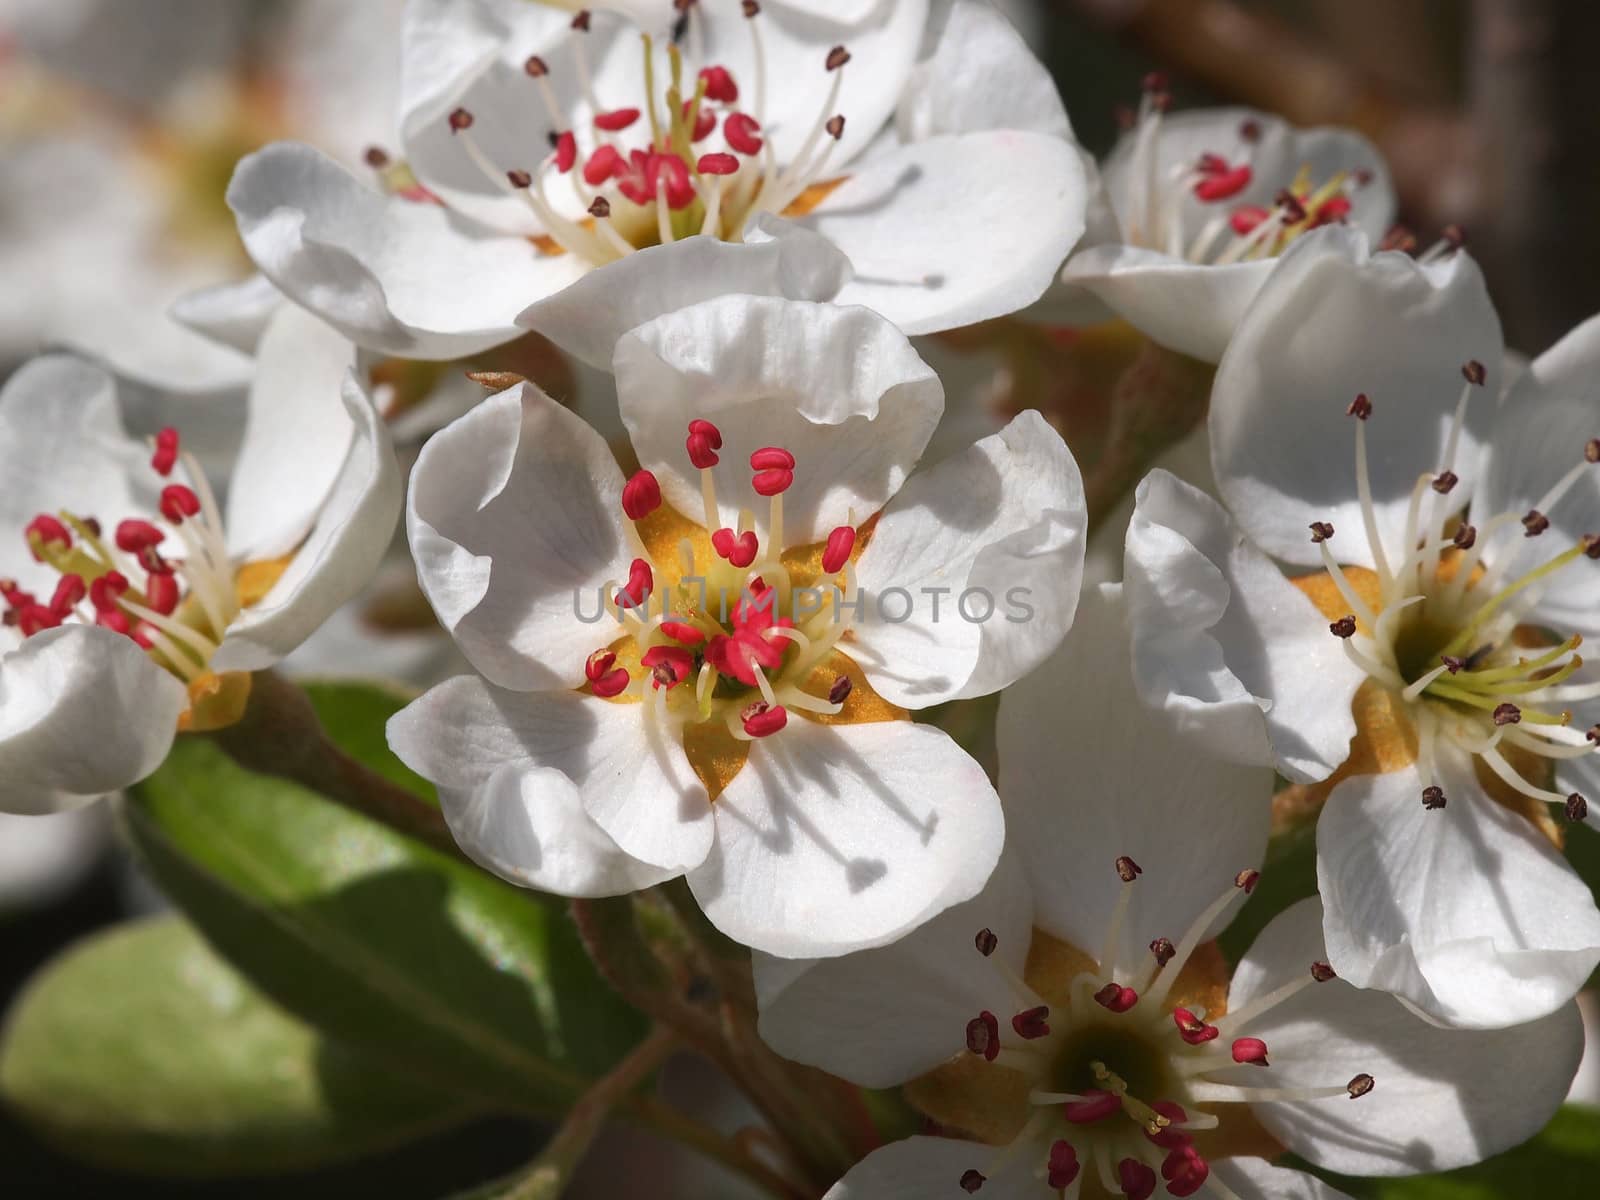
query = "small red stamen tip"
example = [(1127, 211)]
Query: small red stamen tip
[(1247, 880), (983, 1036), (1344, 627), (536, 67), (1167, 1137), (641, 496), (1322, 972), (841, 689), (166, 452), (837, 57), (763, 720), (107, 590), (640, 583), (1473, 372), (1250, 1050), (771, 458), (598, 663), (837, 552), (566, 151), (705, 439), (1163, 950), (717, 164), (1153, 81), (1360, 408), (581, 21), (602, 165), (1095, 1106), (45, 530), (668, 665), (835, 126), (740, 549), (134, 535), (1062, 1166), (1246, 217), (1138, 1179), (1116, 998), (70, 591), (616, 120), (1321, 531), (682, 631), (743, 133), (1250, 130), (1185, 1171), (972, 1180), (1224, 184), (720, 85), (161, 593), (772, 483), (178, 502), (1127, 869), (1192, 1029), (986, 941), (1032, 1023), (460, 119), (1360, 1086), (1399, 238)]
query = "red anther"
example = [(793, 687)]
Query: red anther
[(983, 1036), (668, 665), (1153, 81), (972, 1179), (1163, 950), (1534, 523), (1138, 1179), (1062, 1166), (1032, 1023), (837, 57), (519, 178), (1507, 714), (375, 157), (1360, 408), (641, 496), (536, 67), (1399, 238), (1246, 217), (640, 583), (717, 164), (1117, 998), (161, 593), (45, 530), (566, 151), (1224, 185), (841, 689), (674, 171), (1169, 1138), (1185, 1171), (602, 165), (598, 663), (840, 543), (772, 458), (739, 550), (772, 483), (720, 85), (705, 121), (1247, 879), (1577, 808), (1473, 372), (1192, 1029), (682, 631), (612, 683), (743, 132), (1211, 164), (460, 119), (178, 502), (1444, 482), (115, 620), (1095, 1106), (986, 941), (1250, 1050), (835, 126), (581, 21), (616, 120), (1127, 869), (1322, 972), (763, 720), (166, 452), (70, 591), (705, 439), (35, 619), (1332, 210), (134, 535)]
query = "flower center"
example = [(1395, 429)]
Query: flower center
[(1115, 1061), (647, 177), (1450, 635)]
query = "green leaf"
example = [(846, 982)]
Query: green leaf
[(142, 1050), (379, 941), (354, 716)]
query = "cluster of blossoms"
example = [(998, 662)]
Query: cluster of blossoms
[(685, 662)]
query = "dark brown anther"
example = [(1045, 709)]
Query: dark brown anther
[(986, 941), (1473, 372), (1246, 880), (751, 8), (581, 21), (1363, 176), (1453, 664), (1344, 627), (600, 209), (1321, 531), (841, 689), (1360, 408), (1399, 238), (836, 126), (460, 119), (1154, 81), (1591, 450), (1123, 116), (1250, 130), (1453, 236), (92, 524), (1589, 543), (1032, 1023), (1577, 808), (1444, 483), (496, 381), (1163, 949), (1507, 714), (1464, 537), (1594, 734), (1360, 1086), (983, 1036), (972, 1180), (1433, 798), (1322, 972), (1535, 523), (376, 157), (837, 57), (1127, 869), (536, 67), (1294, 210), (519, 179)]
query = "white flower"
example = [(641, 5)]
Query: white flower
[(1420, 664), (749, 730), (1195, 207), (1085, 1034), (132, 607), (565, 153)]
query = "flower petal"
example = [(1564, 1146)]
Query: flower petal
[(829, 839), (1238, 659), (1257, 1179), (881, 1017), (839, 388), (1000, 525), (777, 258), (396, 275), (513, 770), (1465, 912), (1335, 320), (921, 1167), (83, 712), (515, 521), (958, 229), (1120, 784), (1442, 1097), (350, 536), (234, 314)]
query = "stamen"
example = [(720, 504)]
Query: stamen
[(972, 1180), (983, 1036), (1138, 1180), (1032, 1024)]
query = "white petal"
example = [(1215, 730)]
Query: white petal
[(1539, 434), (1442, 1097), (1000, 526), (46, 857), (513, 770), (829, 839), (839, 388), (958, 229), (1466, 911), (515, 520), (1088, 773), (1257, 1179), (981, 75), (344, 547), (881, 1017), (234, 314), (297, 435), (920, 1168), (777, 258), (83, 712), (395, 275), (1239, 660), (1335, 320)]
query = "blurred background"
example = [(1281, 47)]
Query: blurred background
[(120, 122)]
